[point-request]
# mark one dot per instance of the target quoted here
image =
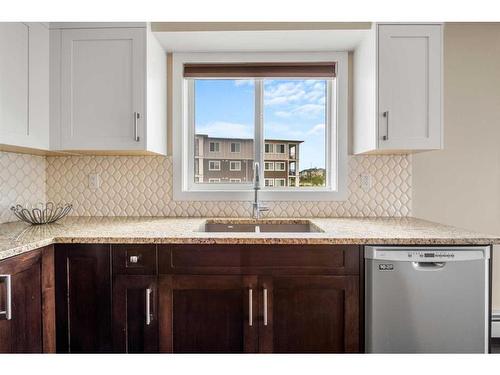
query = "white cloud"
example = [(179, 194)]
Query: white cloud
[(305, 110), (283, 93), (226, 130), (276, 130), (243, 82), (317, 129), (301, 92)]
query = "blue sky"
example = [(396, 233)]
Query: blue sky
[(293, 109)]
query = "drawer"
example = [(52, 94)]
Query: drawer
[(259, 259), (134, 259)]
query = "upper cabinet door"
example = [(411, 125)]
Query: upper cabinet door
[(24, 88), (103, 89), (14, 60), (409, 87)]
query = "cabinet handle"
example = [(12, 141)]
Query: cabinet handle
[(148, 306), (386, 136), (265, 306), (137, 116), (8, 303), (250, 307)]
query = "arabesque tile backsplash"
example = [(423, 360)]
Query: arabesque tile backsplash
[(22, 180), (142, 186)]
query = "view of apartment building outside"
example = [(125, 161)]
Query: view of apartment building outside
[(230, 160)]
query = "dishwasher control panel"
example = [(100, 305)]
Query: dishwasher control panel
[(430, 255), (427, 254)]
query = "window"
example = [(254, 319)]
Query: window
[(268, 182), (214, 146), (235, 180), (289, 105), (279, 182), (214, 165), (213, 180), (235, 147), (268, 166), (269, 148), (279, 166), (235, 165)]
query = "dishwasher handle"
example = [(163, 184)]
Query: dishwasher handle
[(428, 266)]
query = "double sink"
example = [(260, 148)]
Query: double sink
[(260, 226)]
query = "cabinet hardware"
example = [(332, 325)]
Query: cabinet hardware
[(148, 306), (8, 301), (250, 307), (265, 306), (137, 116), (386, 136)]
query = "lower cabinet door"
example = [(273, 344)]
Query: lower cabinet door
[(21, 304), (309, 314), (135, 320), (83, 298), (208, 314)]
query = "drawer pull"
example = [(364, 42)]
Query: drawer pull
[(8, 301)]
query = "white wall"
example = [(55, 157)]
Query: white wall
[(460, 185)]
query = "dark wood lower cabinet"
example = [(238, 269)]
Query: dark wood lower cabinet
[(208, 299), (287, 314), (310, 314), (30, 326), (208, 314), (83, 298), (135, 314)]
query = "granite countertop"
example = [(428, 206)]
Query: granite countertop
[(18, 237)]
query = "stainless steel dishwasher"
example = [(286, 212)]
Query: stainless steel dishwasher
[(427, 299)]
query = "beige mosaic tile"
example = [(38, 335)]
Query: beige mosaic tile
[(22, 180), (142, 186)]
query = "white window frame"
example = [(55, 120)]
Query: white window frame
[(278, 146), (276, 163), (231, 147), (183, 130), (233, 180), (271, 148), (271, 163), (280, 179), (214, 143), (214, 161), (269, 182), (213, 180), (235, 161)]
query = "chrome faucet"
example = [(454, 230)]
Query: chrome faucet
[(257, 205)]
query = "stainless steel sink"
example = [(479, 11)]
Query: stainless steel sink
[(261, 226)]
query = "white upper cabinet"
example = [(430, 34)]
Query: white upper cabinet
[(24, 88), (102, 105), (400, 108)]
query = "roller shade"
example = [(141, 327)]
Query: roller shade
[(260, 70)]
